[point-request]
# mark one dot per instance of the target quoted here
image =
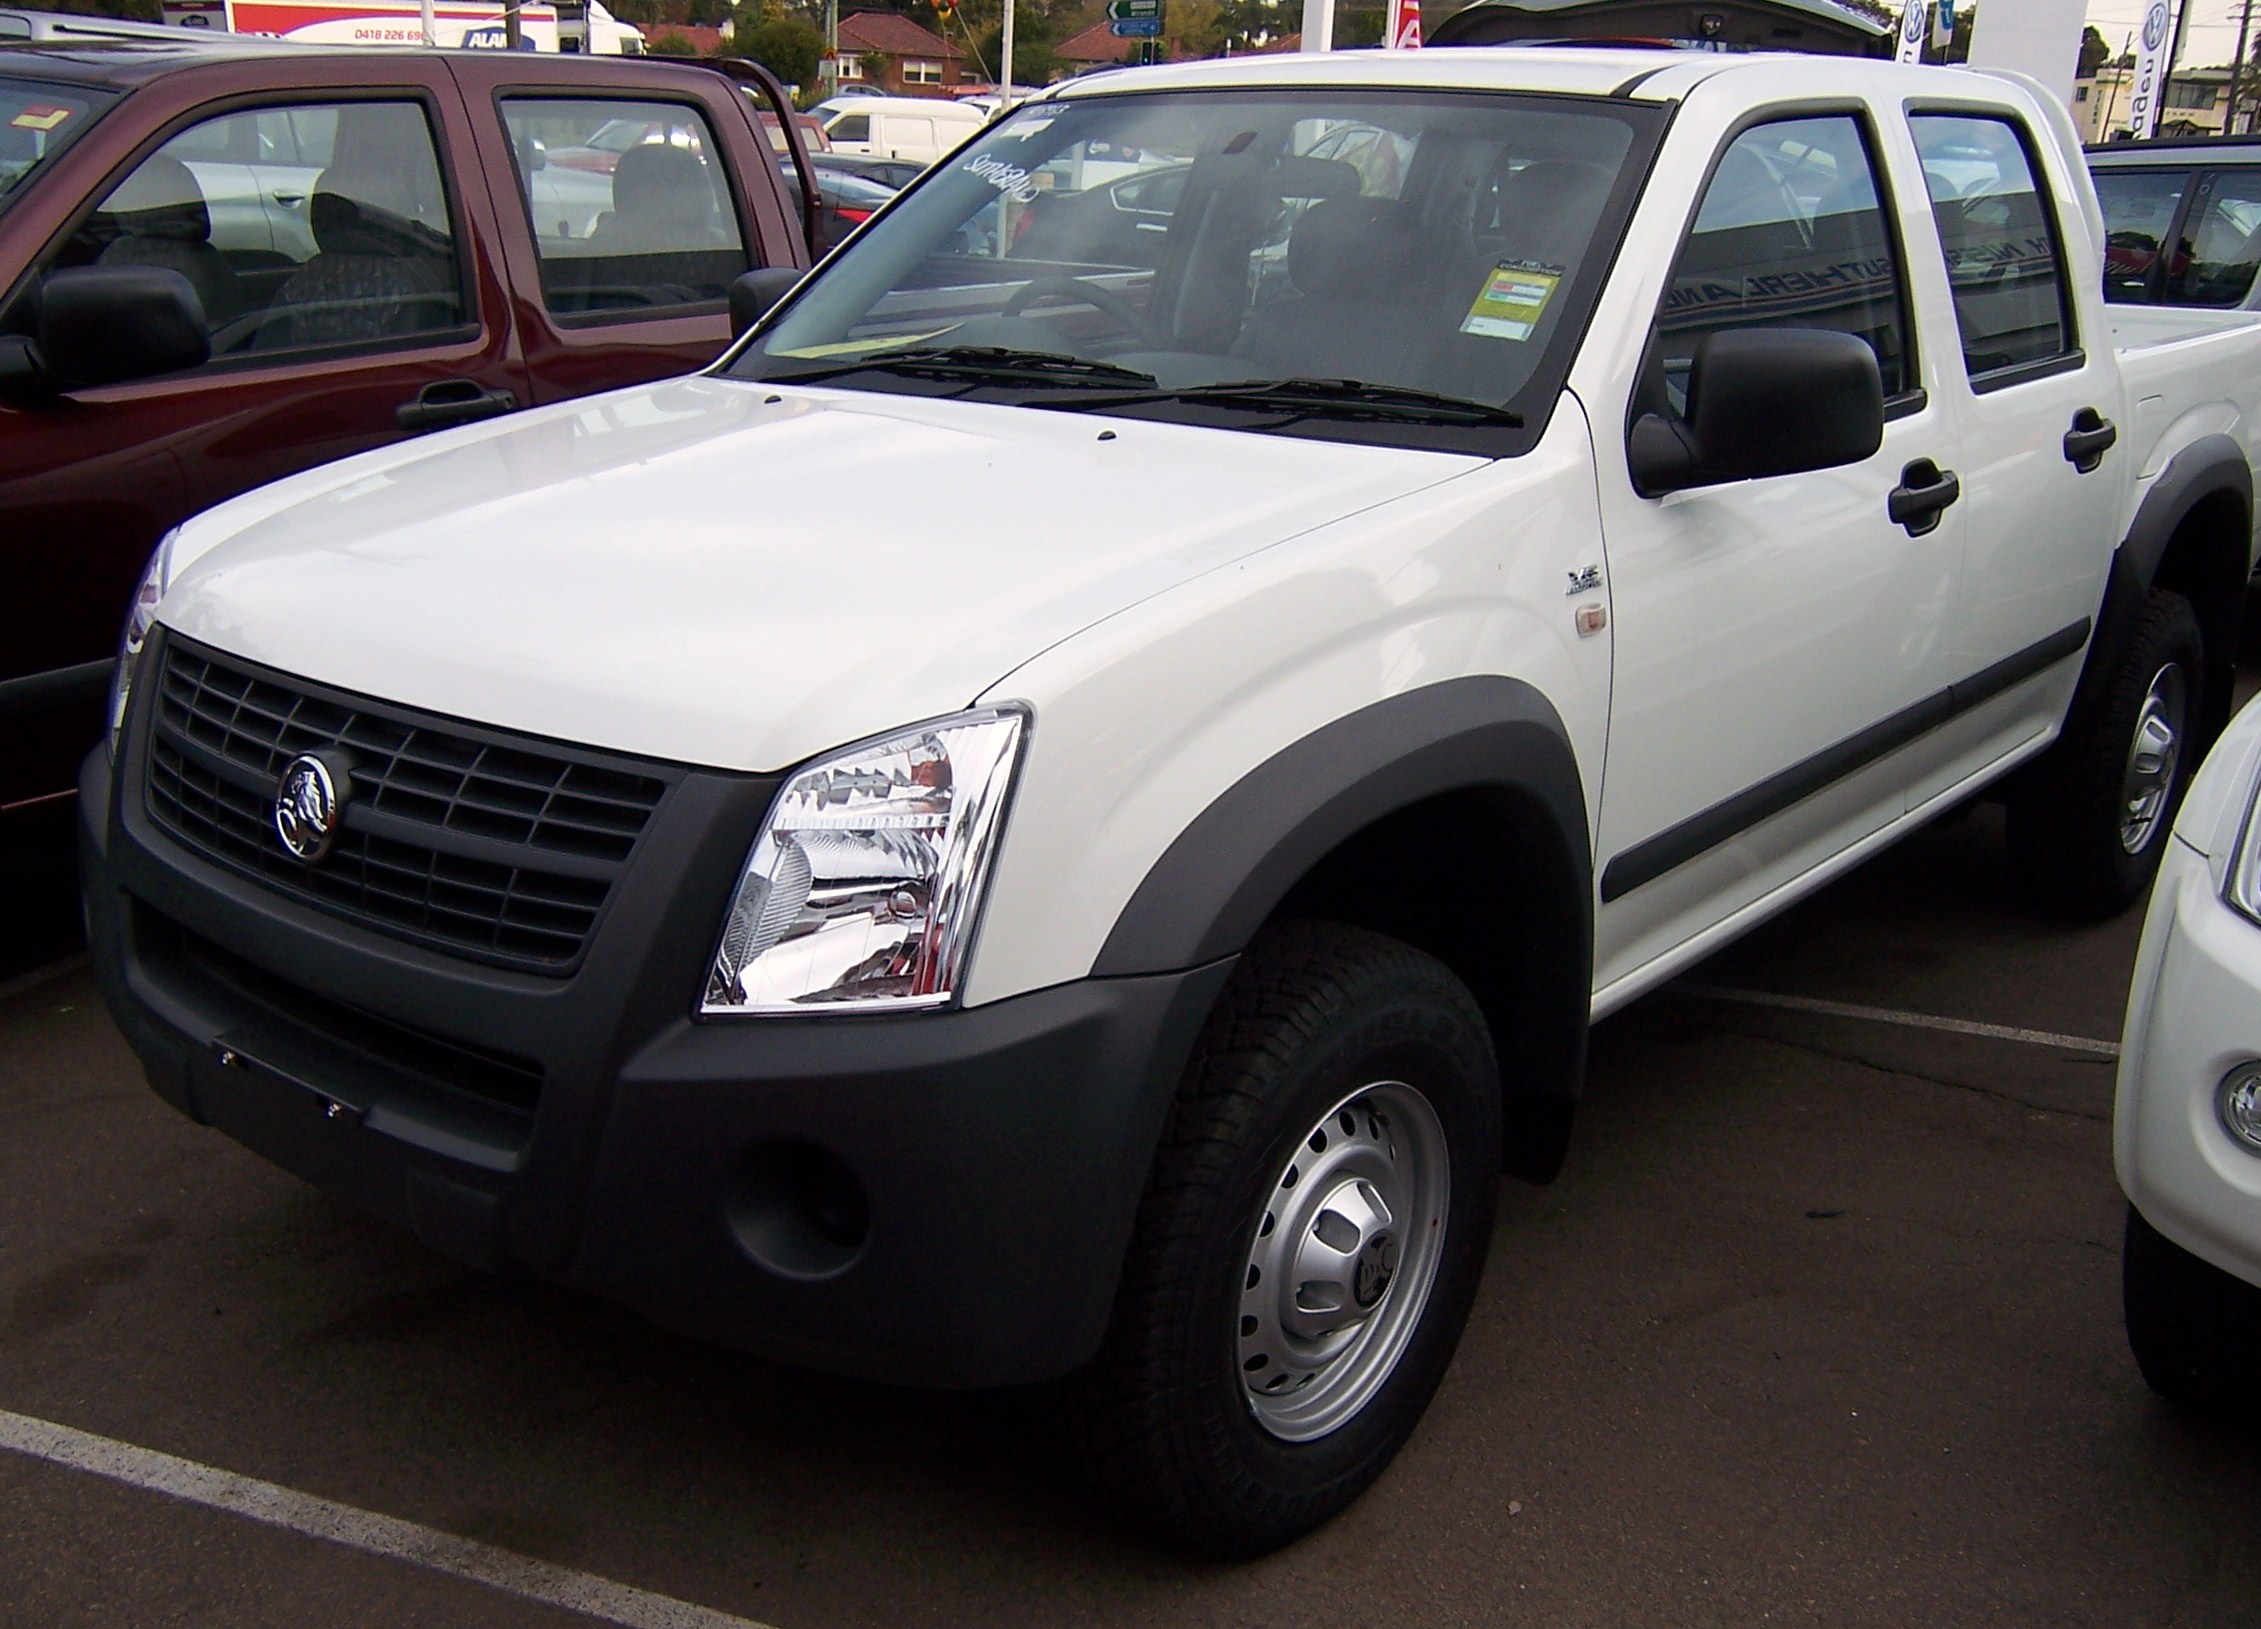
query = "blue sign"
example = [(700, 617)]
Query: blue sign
[(1135, 28)]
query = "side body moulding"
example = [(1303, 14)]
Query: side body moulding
[(1452, 817)]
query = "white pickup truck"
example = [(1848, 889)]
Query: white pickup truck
[(1063, 818)]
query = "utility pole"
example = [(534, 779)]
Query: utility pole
[(2237, 69), (513, 26), (2174, 55), (1005, 62), (1318, 25)]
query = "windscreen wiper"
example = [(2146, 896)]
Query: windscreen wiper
[(1320, 398), (997, 364)]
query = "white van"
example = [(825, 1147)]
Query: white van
[(917, 127)]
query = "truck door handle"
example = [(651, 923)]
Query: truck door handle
[(1924, 492), (2086, 442), (290, 200), (452, 401)]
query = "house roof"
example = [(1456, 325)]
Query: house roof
[(892, 34), (706, 41), (1095, 44)]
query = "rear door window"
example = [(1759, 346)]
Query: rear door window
[(2221, 242), (2001, 241), (630, 208), (2139, 211)]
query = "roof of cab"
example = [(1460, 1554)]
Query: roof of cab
[(1641, 74), (123, 63)]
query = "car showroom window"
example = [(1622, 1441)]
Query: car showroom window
[(2139, 211), (348, 241), (2221, 242), (1791, 233), (2000, 239), (628, 202)]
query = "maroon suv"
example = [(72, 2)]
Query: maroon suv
[(222, 263)]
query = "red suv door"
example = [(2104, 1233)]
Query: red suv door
[(629, 196), (332, 214)]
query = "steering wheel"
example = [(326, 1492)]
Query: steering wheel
[(1059, 286)]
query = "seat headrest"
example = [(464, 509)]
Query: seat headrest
[(161, 200), (1355, 249), (1547, 209), (656, 184)]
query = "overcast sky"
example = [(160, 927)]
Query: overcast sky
[(2210, 41)]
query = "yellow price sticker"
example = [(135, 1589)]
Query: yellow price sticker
[(1513, 299)]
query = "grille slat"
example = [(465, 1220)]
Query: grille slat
[(547, 832)]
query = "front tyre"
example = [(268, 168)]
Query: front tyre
[(2086, 837), (1308, 1246), (2195, 1330)]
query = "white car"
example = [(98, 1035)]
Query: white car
[(1110, 908), (2187, 1126)]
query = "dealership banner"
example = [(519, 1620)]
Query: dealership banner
[(1915, 23), (1405, 25), (2150, 62)]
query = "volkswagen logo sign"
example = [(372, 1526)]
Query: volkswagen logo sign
[(1914, 21), (310, 803), (2155, 26)]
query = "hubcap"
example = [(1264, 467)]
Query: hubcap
[(1345, 1251), (2152, 756)]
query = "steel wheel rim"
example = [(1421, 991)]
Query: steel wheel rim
[(2153, 756), (1343, 1257)]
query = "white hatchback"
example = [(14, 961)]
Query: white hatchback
[(2187, 1126)]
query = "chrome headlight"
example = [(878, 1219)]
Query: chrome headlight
[(141, 616), (862, 890), (2242, 892)]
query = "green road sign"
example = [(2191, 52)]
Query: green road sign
[(1124, 11)]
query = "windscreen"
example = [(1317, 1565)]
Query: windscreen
[(36, 123), (1154, 251)]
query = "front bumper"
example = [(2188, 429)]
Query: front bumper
[(939, 1199), (2194, 1014)]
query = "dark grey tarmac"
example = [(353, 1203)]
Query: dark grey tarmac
[(1819, 1326)]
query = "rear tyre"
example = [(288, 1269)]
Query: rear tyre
[(2194, 1329), (1308, 1247), (2087, 833)]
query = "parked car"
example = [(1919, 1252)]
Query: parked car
[(221, 263), (897, 173), (2182, 220), (917, 127), (2187, 1124), (844, 200), (1108, 915)]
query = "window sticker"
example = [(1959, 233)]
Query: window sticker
[(37, 117), (1513, 299), (1009, 179)]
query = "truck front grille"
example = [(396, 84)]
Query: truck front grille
[(503, 847)]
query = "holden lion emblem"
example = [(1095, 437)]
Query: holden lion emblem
[(309, 807)]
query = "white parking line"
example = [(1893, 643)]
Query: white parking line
[(1908, 1020), (362, 1530)]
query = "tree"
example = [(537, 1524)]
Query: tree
[(2095, 51), (784, 42), (1193, 28), (672, 44), (1033, 40)]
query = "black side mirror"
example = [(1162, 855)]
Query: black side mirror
[(102, 325), (753, 294), (1763, 401)]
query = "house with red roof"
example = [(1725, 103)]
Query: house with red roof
[(885, 53)]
